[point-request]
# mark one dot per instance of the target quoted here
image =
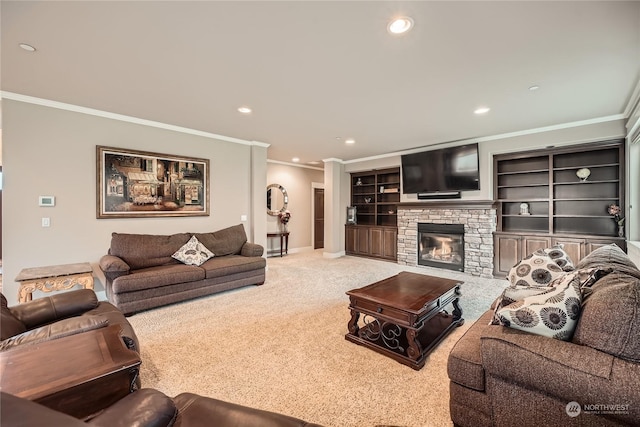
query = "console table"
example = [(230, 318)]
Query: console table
[(53, 278), (79, 375), (284, 240)]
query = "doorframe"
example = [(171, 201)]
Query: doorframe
[(314, 185)]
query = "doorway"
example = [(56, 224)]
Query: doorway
[(318, 218)]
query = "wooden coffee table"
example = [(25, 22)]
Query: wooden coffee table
[(404, 316)]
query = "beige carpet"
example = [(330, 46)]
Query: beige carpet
[(281, 347)]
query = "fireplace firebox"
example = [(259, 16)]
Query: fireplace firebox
[(441, 245)]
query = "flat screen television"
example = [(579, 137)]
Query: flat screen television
[(446, 170)]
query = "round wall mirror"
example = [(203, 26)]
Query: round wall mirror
[(277, 199)]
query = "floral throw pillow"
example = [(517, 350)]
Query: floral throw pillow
[(552, 314), (193, 252), (558, 254), (538, 269), (513, 294)]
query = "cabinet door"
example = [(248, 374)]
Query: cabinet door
[(573, 247), (507, 253), (351, 240), (390, 248), (363, 244), (376, 241), (530, 244)]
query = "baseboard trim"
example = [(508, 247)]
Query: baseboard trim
[(332, 255)]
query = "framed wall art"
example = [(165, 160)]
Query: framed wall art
[(138, 184)]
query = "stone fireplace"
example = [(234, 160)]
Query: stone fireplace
[(473, 221)]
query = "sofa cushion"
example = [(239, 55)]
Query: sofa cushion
[(610, 319), (146, 250), (553, 314), (537, 269), (232, 264), (10, 325), (227, 241), (192, 253), (154, 277), (606, 255)]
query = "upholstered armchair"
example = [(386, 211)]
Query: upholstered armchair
[(148, 408), (58, 316)]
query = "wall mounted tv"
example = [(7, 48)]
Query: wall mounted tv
[(447, 170)]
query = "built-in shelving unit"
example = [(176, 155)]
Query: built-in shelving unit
[(375, 194), (560, 206)]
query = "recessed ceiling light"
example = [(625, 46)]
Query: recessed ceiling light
[(245, 110), (400, 25), (27, 47), (350, 141), (482, 110), (295, 159), (534, 87)]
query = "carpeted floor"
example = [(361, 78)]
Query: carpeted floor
[(281, 347)]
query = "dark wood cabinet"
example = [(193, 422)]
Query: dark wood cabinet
[(371, 241), (375, 194), (557, 196)]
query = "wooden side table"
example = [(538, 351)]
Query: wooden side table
[(53, 278), (79, 375), (284, 240)]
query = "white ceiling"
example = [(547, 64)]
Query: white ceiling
[(314, 71)]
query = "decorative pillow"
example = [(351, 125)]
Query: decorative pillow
[(537, 269), (513, 294), (552, 314), (560, 257), (193, 252)]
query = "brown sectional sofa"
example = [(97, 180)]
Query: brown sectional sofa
[(141, 274), (506, 377)]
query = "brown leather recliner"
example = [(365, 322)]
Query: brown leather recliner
[(148, 408), (58, 316)]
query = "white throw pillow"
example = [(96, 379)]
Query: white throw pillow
[(538, 269), (193, 252), (553, 314)]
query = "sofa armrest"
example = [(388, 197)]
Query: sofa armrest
[(566, 371), (60, 329), (251, 249), (55, 307), (143, 408), (113, 264)]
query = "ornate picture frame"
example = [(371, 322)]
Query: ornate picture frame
[(140, 184)]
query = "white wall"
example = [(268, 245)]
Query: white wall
[(297, 181), (48, 151)]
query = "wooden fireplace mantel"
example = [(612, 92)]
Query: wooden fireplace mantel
[(449, 204)]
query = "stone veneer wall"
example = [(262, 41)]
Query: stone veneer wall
[(479, 225)]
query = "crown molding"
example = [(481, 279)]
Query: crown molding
[(297, 165), (123, 118), (333, 159)]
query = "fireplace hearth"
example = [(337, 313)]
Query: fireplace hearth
[(441, 245)]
